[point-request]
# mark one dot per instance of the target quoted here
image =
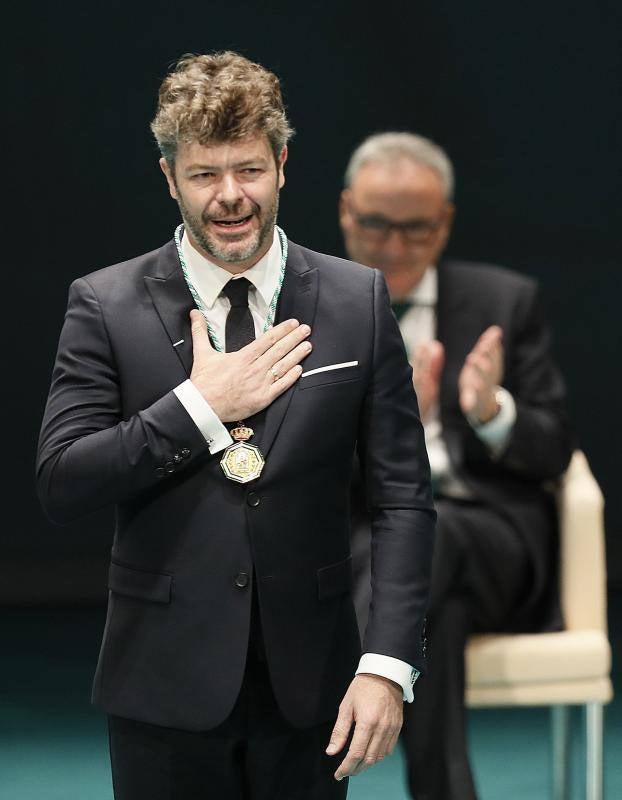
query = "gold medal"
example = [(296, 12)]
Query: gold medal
[(242, 462)]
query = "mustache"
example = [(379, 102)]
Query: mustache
[(255, 209)]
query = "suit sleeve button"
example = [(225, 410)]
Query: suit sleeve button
[(169, 467), (253, 500), (241, 580), (185, 453), (160, 472), (177, 458)]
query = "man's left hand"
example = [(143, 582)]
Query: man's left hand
[(374, 705), (481, 374)]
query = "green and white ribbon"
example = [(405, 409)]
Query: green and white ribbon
[(199, 303)]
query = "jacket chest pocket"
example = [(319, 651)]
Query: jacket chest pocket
[(329, 374)]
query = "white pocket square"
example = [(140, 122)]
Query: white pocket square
[(330, 367)]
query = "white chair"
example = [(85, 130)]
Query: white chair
[(569, 667)]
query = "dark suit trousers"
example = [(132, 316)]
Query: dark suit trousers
[(255, 754), (481, 574), (480, 577)]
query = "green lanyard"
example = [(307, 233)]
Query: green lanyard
[(199, 302)]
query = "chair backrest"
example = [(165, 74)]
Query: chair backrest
[(582, 548)]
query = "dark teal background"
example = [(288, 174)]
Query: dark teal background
[(53, 746), (525, 97)]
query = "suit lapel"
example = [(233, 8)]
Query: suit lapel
[(173, 302), (298, 300)]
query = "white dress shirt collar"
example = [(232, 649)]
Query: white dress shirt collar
[(209, 279), (425, 293)]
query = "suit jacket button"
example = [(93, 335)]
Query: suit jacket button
[(253, 499), (185, 453), (160, 472), (169, 467), (241, 580)]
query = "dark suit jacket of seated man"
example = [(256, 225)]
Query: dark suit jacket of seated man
[(230, 648), (491, 400)]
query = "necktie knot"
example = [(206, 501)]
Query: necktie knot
[(236, 290)]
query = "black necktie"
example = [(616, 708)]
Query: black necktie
[(239, 328)]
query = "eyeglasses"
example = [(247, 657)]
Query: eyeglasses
[(378, 228)]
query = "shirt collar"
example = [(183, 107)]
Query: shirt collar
[(425, 293), (209, 279)]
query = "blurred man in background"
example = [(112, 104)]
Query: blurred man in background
[(491, 400)]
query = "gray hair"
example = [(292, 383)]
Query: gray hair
[(387, 148)]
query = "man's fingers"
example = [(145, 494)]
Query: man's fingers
[(376, 749), (376, 705), (282, 384), (273, 335), (429, 358), (294, 357), (473, 379), (491, 337), (200, 337), (340, 733), (356, 752), (493, 352), (282, 347), (393, 740), (482, 363)]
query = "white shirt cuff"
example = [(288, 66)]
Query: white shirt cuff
[(496, 432), (203, 416), (392, 668)]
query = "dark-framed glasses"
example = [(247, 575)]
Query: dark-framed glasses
[(379, 227)]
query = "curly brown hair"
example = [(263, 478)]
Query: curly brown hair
[(219, 97)]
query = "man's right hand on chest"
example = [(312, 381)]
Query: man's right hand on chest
[(239, 384)]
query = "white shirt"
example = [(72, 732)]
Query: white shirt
[(418, 325), (208, 280)]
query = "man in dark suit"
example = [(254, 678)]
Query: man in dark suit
[(491, 401), (230, 649)]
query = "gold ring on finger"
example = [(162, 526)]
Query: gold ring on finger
[(274, 373)]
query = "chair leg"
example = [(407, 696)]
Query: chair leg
[(594, 751), (560, 718)]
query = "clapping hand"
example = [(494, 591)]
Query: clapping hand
[(481, 374), (427, 367)]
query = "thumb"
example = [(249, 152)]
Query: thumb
[(341, 731), (201, 344)]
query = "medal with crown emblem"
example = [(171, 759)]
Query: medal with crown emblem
[(242, 462)]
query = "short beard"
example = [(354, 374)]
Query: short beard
[(196, 227)]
